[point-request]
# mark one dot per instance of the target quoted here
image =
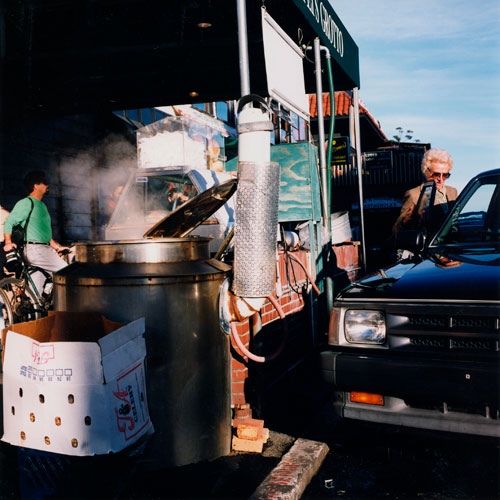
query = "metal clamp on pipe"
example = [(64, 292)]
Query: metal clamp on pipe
[(255, 127)]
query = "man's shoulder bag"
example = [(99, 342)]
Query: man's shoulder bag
[(19, 232)]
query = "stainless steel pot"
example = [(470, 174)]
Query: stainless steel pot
[(174, 284)]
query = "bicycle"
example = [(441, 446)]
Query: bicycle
[(20, 299)]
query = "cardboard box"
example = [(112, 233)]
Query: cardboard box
[(74, 383)]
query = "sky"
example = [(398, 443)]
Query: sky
[(433, 67)]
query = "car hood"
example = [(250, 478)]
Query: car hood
[(447, 273)]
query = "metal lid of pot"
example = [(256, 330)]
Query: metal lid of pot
[(142, 251), (194, 212)]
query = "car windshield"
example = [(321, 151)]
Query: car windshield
[(476, 216)]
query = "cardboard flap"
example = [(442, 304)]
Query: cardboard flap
[(64, 326), (52, 362), (121, 336), (120, 360)]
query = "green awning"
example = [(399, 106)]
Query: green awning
[(333, 35), (65, 57)]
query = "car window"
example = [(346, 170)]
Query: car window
[(475, 218)]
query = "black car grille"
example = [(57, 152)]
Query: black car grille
[(450, 343), (484, 345), (444, 332), (453, 322), (425, 341), (427, 321)]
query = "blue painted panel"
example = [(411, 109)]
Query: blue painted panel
[(299, 188), (300, 197)]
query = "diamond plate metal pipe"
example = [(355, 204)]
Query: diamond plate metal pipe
[(256, 222)]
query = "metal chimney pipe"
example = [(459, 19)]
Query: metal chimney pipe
[(241, 10), (257, 203)]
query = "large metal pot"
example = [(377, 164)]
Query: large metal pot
[(174, 284)]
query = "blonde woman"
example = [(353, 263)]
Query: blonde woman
[(436, 166)]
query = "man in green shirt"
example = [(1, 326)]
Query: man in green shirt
[(41, 249)]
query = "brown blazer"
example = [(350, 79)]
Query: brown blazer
[(410, 200)]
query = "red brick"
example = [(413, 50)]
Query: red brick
[(242, 328), (266, 318), (242, 411), (251, 429), (269, 317), (247, 445), (243, 406), (285, 299), (238, 399), (239, 374), (268, 307), (298, 308), (238, 387), (237, 365), (256, 422)]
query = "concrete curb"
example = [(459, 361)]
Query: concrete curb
[(289, 479)]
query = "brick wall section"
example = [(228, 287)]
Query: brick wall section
[(291, 302), (239, 372)]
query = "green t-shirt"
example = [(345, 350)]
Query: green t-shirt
[(39, 227)]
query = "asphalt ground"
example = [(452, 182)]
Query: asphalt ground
[(377, 462), (36, 475)]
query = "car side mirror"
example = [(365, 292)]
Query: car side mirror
[(410, 239), (421, 217)]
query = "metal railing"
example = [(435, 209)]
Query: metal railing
[(402, 168)]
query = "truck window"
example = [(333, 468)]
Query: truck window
[(476, 219)]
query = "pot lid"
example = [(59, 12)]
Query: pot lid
[(194, 212)]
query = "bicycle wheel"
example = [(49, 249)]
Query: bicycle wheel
[(18, 302)]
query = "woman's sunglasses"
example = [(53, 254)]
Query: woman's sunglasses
[(437, 175)]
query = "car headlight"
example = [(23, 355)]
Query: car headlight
[(364, 327)]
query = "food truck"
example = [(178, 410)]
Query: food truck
[(262, 61)]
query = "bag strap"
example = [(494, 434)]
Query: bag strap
[(28, 219)]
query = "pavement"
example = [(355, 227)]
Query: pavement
[(291, 456), (282, 471)]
